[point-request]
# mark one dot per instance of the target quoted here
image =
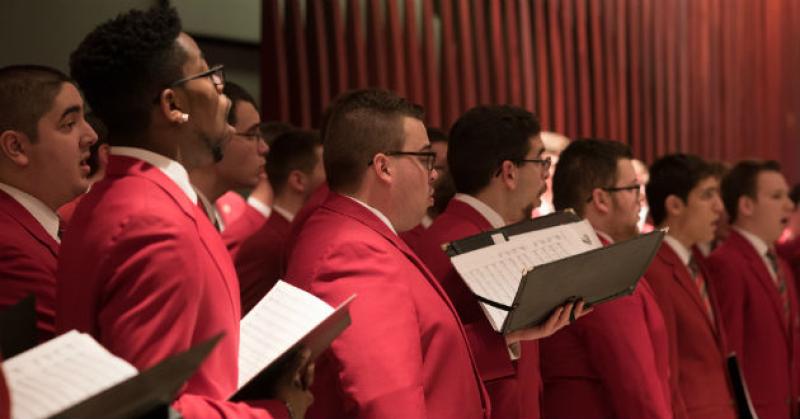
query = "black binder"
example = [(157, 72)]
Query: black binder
[(147, 395), (18, 331), (597, 276), (744, 406)]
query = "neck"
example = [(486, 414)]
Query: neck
[(680, 234), (753, 229), (206, 180), (500, 202), (34, 187), (289, 201)]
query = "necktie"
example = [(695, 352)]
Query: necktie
[(780, 283), (700, 283)]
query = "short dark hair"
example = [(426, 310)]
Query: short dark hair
[(26, 94), (359, 125), (124, 63), (294, 150), (274, 129), (483, 138), (794, 194), (741, 181), (584, 165), (674, 174), (436, 135), (236, 94)]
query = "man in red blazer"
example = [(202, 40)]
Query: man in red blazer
[(683, 193), (406, 354), (497, 166), (142, 269), (241, 166), (614, 362), (295, 171), (44, 147), (756, 289)]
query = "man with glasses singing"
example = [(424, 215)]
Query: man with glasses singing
[(406, 354), (142, 269), (615, 361), (496, 163)]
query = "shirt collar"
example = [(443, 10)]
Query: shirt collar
[(604, 236), (211, 211), (756, 241), (259, 206), (683, 253), (172, 169), (377, 214), (41, 212), (492, 216), (283, 212)]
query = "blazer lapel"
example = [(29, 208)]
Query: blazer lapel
[(682, 276), (21, 215)]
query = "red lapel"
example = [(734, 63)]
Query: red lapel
[(21, 215)]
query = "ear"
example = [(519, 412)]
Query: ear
[(171, 108), (382, 167), (508, 174), (15, 146), (674, 205), (297, 181), (746, 205), (600, 201)]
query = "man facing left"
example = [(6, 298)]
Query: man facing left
[(44, 145)]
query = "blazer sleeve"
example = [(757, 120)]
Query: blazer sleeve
[(621, 350), (150, 309), (379, 357)]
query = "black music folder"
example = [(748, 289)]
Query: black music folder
[(147, 395), (744, 406), (596, 276), (18, 331)]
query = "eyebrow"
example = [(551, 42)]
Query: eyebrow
[(71, 109), (427, 147)]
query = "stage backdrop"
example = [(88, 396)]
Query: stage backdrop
[(720, 78)]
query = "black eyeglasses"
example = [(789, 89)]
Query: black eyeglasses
[(253, 135), (545, 163), (636, 188), (428, 158), (215, 73)]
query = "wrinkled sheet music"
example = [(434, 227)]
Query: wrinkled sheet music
[(494, 272), (60, 373), (274, 325)]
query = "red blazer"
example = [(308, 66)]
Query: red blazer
[(513, 386), (413, 236), (28, 258), (405, 354), (230, 206), (260, 259), (147, 275), (755, 326), (699, 378), (314, 201), (242, 228), (613, 363), (5, 398)]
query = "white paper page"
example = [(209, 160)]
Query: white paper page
[(275, 324), (494, 272), (60, 373)]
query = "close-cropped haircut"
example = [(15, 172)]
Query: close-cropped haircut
[(584, 165), (483, 138), (741, 181), (359, 125), (674, 174), (26, 94), (294, 150), (236, 94), (124, 63)]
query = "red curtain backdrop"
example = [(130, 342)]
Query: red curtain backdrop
[(720, 78)]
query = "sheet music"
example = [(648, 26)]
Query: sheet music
[(274, 325), (494, 272), (60, 373)]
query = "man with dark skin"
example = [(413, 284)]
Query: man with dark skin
[(142, 268)]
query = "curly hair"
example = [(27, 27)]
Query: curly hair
[(122, 65)]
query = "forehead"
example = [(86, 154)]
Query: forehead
[(625, 171), (416, 137), (537, 146), (710, 182), (246, 115), (194, 57), (769, 180), (67, 97)]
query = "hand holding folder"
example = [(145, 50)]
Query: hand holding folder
[(523, 272)]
